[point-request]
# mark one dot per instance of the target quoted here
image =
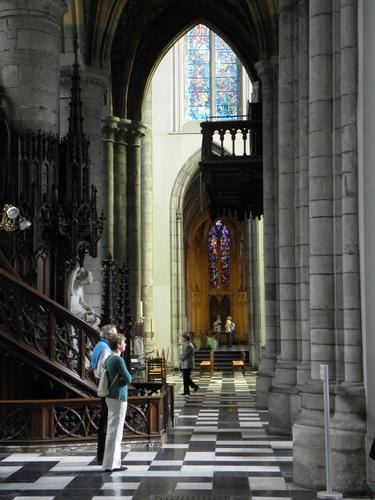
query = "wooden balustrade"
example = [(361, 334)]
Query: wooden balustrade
[(244, 139), (46, 335), (232, 166), (76, 420)]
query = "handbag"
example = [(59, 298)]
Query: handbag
[(104, 386)]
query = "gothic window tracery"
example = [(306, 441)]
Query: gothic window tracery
[(211, 76)]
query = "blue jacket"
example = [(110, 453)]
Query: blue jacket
[(98, 349), (119, 390)]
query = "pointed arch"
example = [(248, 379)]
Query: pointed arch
[(138, 48), (187, 173)]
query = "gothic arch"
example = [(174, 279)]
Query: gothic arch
[(188, 171), (141, 42)]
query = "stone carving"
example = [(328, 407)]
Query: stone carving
[(78, 280)]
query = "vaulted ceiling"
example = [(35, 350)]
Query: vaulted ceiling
[(132, 36)]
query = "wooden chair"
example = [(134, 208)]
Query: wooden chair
[(240, 363), (156, 370), (207, 364)]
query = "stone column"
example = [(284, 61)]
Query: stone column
[(29, 61), (181, 311), (120, 193), (109, 127), (251, 277), (303, 328), (349, 422), (366, 200), (308, 435), (135, 133), (147, 225), (266, 72), (284, 380)]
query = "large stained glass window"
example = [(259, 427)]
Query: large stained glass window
[(211, 76), (219, 255)]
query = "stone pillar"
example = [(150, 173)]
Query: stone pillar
[(284, 381), (302, 200), (181, 311), (303, 313), (147, 226), (120, 193), (266, 72), (109, 127), (366, 200), (135, 133), (349, 422), (251, 280), (29, 61), (308, 435)]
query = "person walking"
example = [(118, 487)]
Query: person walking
[(117, 402), (229, 330), (99, 355), (187, 364)]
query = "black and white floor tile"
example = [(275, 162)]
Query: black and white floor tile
[(218, 449)]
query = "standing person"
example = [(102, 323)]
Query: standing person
[(187, 364), (229, 330), (117, 402), (99, 355)]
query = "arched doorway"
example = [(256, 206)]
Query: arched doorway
[(215, 270)]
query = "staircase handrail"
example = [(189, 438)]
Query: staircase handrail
[(49, 331)]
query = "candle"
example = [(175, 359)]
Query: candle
[(141, 309)]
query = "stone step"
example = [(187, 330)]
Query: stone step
[(222, 360)]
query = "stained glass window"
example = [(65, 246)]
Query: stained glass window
[(219, 255), (211, 76)]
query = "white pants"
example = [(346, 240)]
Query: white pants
[(115, 428)]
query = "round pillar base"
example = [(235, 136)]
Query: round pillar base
[(329, 495)]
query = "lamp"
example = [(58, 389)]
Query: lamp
[(11, 220)]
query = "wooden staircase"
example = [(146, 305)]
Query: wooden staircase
[(45, 349)]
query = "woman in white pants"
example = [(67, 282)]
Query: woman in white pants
[(117, 402)]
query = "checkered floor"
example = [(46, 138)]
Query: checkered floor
[(218, 449)]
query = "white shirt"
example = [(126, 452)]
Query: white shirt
[(100, 366)]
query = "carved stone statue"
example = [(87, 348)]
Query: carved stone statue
[(217, 324), (79, 279)]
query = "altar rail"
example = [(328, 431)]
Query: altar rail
[(76, 420)]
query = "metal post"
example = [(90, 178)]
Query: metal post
[(328, 494)]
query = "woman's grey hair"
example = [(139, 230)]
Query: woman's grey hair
[(106, 330)]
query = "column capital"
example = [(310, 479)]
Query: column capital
[(267, 71), (135, 131), (109, 127), (121, 132)]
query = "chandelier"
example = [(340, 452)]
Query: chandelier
[(11, 219)]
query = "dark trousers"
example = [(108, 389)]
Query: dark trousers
[(187, 380), (230, 339), (102, 430)]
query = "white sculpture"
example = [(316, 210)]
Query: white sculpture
[(79, 278), (217, 324)]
